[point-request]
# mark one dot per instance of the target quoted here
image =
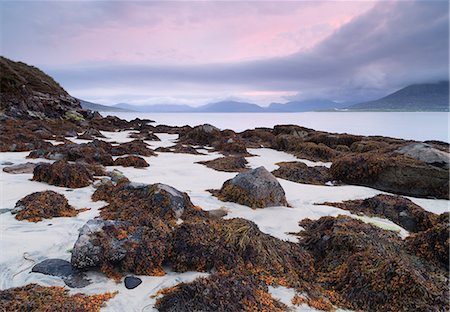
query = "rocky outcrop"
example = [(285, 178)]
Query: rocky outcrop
[(144, 135), (179, 148), (399, 210), (299, 172), (131, 161), (118, 246), (368, 268), (91, 134), (28, 93), (427, 154), (137, 147), (62, 173), (392, 172), (43, 205), (227, 164), (256, 188)]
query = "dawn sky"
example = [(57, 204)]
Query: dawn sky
[(188, 52)]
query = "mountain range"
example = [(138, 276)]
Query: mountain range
[(417, 97)]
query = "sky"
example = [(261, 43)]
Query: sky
[(196, 52)]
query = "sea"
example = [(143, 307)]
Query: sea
[(419, 126)]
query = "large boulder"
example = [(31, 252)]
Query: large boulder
[(426, 153), (256, 188), (117, 246), (392, 172), (43, 205), (62, 173)]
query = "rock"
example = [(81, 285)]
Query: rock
[(62, 173), (256, 188), (305, 150), (73, 277), (21, 168), (144, 135), (369, 269), (179, 148), (427, 154), (117, 246), (392, 173), (43, 205), (137, 147), (399, 210), (7, 163), (259, 137), (219, 293), (90, 134), (132, 282), (299, 172), (116, 175), (131, 161), (227, 164)]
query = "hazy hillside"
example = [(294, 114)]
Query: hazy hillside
[(101, 108), (230, 107), (305, 106), (418, 97)]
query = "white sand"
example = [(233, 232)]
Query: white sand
[(54, 238)]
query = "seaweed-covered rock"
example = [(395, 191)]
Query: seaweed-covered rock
[(117, 246), (393, 173), (426, 153), (131, 161), (259, 137), (62, 173), (432, 244), (368, 268), (27, 167), (219, 293), (256, 188), (92, 152), (399, 210), (200, 135), (43, 205), (227, 164), (299, 172), (238, 245), (33, 297), (180, 149), (305, 150), (138, 203), (144, 135), (91, 134), (137, 147)]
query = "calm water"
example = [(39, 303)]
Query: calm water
[(418, 126)]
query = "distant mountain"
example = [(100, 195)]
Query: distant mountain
[(101, 108), (417, 97), (305, 106), (158, 108), (230, 107)]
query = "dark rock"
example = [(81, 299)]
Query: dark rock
[(131, 161), (259, 137), (7, 163), (256, 188), (62, 173), (299, 172), (73, 277), (399, 210), (43, 205), (137, 147), (91, 134), (392, 173), (132, 282), (180, 149), (21, 168), (305, 150), (144, 135), (227, 164)]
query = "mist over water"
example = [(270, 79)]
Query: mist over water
[(405, 125)]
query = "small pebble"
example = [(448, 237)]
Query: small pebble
[(132, 282)]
